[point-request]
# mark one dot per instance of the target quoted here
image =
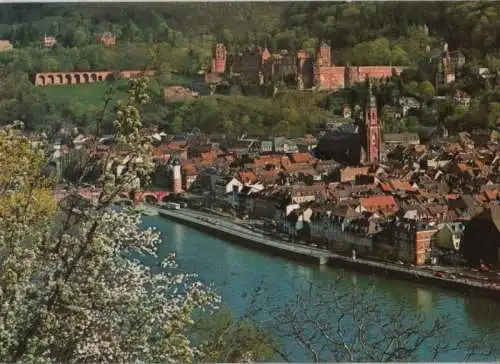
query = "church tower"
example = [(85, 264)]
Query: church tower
[(372, 128)]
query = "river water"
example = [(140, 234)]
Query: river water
[(236, 272)]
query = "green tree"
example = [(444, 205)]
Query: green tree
[(176, 124), (426, 90), (412, 123), (78, 37), (227, 339), (64, 279)]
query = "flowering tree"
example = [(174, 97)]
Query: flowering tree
[(72, 288), (346, 322)]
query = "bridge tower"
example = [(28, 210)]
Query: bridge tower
[(176, 178)]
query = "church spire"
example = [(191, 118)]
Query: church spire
[(371, 100), (372, 127)]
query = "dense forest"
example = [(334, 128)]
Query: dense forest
[(367, 33), (176, 38)]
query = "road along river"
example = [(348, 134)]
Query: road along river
[(236, 272)]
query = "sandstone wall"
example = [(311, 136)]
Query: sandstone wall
[(68, 78)]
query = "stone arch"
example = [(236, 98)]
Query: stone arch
[(124, 201), (50, 79), (59, 79), (78, 78), (93, 77), (69, 79), (150, 199), (99, 78), (42, 80), (86, 78)]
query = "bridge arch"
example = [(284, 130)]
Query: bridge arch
[(42, 80), (150, 198), (86, 77), (59, 79), (93, 77), (69, 79), (78, 78), (124, 201), (50, 79)]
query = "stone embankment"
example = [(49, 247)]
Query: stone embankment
[(247, 237), (226, 230)]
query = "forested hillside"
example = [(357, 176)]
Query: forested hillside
[(176, 38), (372, 32)]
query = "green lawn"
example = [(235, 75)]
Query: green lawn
[(93, 94), (87, 94)]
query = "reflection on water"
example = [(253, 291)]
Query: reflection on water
[(354, 280), (304, 272), (424, 300), (237, 272), (178, 235)]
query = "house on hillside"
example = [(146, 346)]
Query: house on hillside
[(179, 93), (5, 45), (107, 39), (48, 42), (408, 103), (461, 98)]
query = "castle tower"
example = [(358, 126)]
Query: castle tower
[(372, 128), (324, 55), (219, 57)]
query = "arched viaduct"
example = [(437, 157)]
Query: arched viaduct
[(69, 78)]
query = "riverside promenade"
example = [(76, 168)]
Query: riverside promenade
[(246, 237), (228, 230)]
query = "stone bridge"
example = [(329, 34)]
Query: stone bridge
[(69, 78), (92, 194), (152, 196)]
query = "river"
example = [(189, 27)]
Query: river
[(236, 272)]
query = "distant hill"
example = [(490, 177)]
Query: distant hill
[(469, 25)]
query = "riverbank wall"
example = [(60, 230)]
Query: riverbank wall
[(312, 256), (415, 275), (302, 254)]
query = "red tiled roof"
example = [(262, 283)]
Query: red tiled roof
[(350, 173), (207, 156), (386, 187), (246, 177), (400, 185), (383, 203), (491, 194), (189, 169), (481, 198), (300, 157)]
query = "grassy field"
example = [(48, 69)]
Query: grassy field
[(93, 94), (87, 94)]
